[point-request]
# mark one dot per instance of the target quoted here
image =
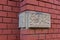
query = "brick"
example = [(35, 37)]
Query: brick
[(3, 25), (3, 2), (45, 0), (15, 9), (12, 3), (58, 16), (14, 20), (22, 8), (29, 7), (58, 7), (58, 12), (7, 31), (58, 26), (26, 31), (54, 6), (54, 25), (0, 7), (56, 31), (22, 3), (55, 21), (55, 11), (56, 39), (42, 36), (18, 4), (3, 37), (7, 20), (52, 20), (58, 21), (15, 31), (16, 0), (2, 13), (0, 19), (50, 31), (51, 1), (44, 9), (1, 31), (48, 5), (59, 3), (51, 11), (53, 16), (12, 26), (48, 36), (41, 31), (38, 8), (55, 2), (34, 2), (11, 37), (41, 3), (55, 36), (30, 37), (7, 8), (12, 14)]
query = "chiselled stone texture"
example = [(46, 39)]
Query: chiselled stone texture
[(34, 19)]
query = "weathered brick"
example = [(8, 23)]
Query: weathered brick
[(0, 31), (58, 26), (53, 16), (26, 31), (41, 31), (7, 20), (58, 16), (45, 0), (54, 6), (51, 1), (12, 14), (6, 31), (54, 25), (30, 37), (48, 36), (44, 9), (14, 20), (22, 8), (15, 9), (12, 37), (3, 25), (0, 19), (51, 10), (30, 7), (38, 8), (3, 37), (58, 7), (7, 8), (15, 31), (0, 7), (41, 3), (2, 13), (34, 2), (55, 2), (42, 36), (27, 7), (10, 26), (48, 5), (11, 3), (3, 2)]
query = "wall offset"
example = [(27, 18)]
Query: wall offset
[(48, 6)]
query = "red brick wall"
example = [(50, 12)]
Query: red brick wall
[(49, 6), (9, 10)]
